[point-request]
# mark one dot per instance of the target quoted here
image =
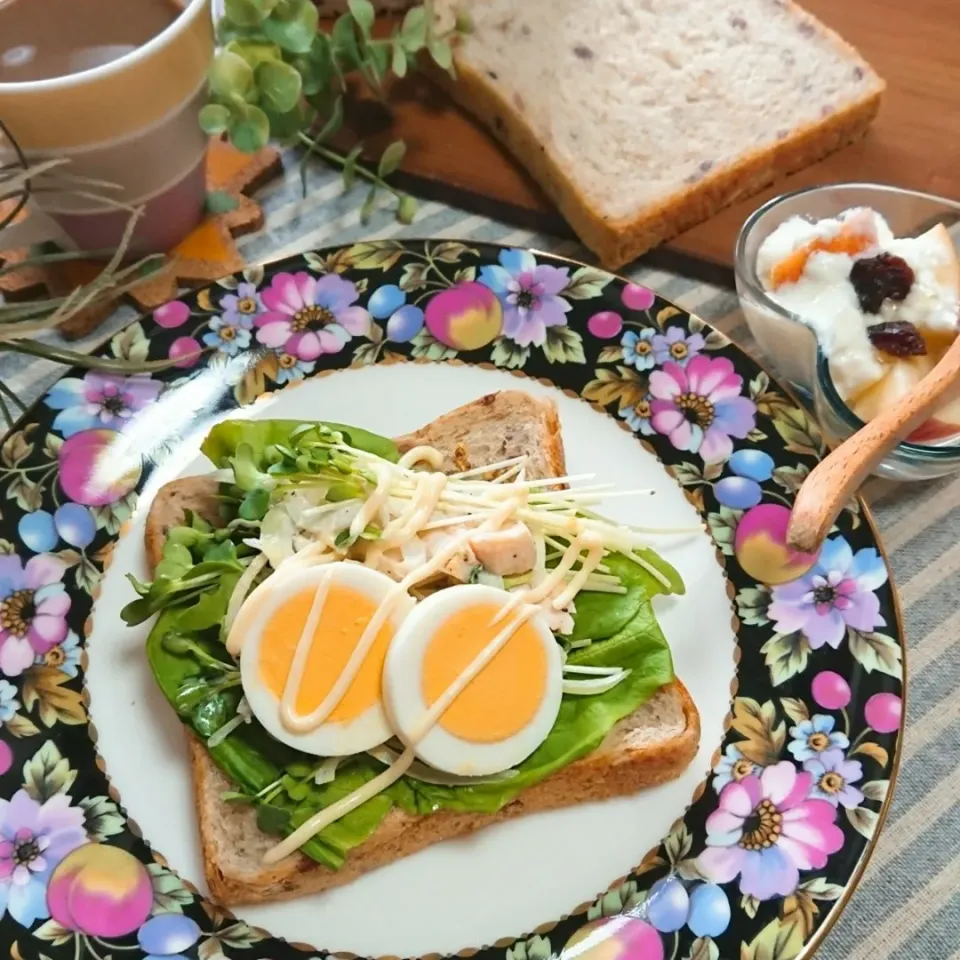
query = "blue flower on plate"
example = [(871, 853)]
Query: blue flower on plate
[(638, 348), (814, 737), (106, 400), (290, 367), (9, 704), (227, 336)]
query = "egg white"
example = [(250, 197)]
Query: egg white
[(329, 739), (403, 687)]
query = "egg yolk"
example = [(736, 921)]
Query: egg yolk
[(343, 619), (505, 696)]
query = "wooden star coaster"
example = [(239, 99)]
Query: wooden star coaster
[(206, 254)]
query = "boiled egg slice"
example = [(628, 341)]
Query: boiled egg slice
[(504, 713), (341, 599)]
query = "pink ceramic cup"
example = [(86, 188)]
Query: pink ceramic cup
[(131, 122)]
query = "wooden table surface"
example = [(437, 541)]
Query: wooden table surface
[(915, 142)]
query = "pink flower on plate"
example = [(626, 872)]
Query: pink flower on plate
[(308, 316), (33, 610), (699, 406), (766, 830)]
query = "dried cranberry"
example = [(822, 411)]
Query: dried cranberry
[(884, 277), (899, 338)]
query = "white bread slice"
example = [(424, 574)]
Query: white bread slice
[(653, 745), (641, 118)]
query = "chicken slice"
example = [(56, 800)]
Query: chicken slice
[(505, 552)]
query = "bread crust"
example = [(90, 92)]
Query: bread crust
[(615, 771), (627, 761), (619, 241)]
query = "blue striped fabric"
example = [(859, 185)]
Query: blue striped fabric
[(908, 904)]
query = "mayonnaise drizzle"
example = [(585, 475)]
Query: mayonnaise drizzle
[(374, 504), (398, 768), (303, 723)]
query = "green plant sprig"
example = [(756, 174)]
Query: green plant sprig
[(279, 76)]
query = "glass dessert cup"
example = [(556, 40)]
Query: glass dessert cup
[(786, 341), (906, 461)]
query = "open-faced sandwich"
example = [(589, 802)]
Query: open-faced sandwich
[(378, 645)]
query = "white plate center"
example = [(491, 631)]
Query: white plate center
[(501, 882)]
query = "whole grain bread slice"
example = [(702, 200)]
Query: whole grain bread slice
[(641, 118), (653, 745)]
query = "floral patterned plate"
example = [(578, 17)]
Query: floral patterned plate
[(795, 662)]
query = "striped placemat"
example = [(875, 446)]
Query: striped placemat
[(908, 903)]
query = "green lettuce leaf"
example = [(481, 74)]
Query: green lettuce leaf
[(186, 654), (225, 440)]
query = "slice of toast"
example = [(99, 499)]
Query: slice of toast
[(653, 745)]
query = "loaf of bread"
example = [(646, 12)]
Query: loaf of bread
[(641, 118)]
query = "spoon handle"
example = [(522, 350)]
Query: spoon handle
[(834, 481)]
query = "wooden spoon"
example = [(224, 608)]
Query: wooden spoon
[(836, 478)]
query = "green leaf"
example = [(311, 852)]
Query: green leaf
[(297, 33), (508, 354), (678, 844), (790, 478), (169, 893), (102, 818), (255, 504), (231, 75), (776, 941), (363, 13), (752, 605), (250, 132), (243, 13), (366, 211), (800, 434), (876, 651), (586, 283), (316, 66), (53, 933), (17, 446), (47, 773), (130, 343), (785, 654), (350, 167), (723, 527), (391, 158), (413, 32), (398, 61), (795, 709), (413, 277), (214, 119), (255, 52), (279, 85), (863, 820), (441, 53), (343, 38), (563, 345)]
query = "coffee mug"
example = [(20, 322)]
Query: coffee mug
[(131, 122)]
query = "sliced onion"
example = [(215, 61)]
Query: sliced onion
[(420, 771), (595, 686), (327, 771)]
